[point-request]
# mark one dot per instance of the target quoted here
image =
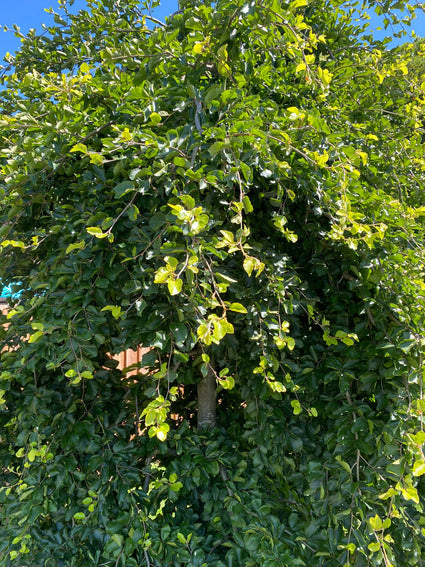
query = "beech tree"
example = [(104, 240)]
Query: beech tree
[(240, 191)]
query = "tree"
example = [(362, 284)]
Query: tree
[(240, 192)]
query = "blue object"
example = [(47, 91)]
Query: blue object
[(7, 292)]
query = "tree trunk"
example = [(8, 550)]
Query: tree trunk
[(207, 401)]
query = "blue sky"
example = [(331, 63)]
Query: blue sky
[(30, 14)]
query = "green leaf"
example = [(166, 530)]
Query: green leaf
[(204, 370), (344, 464), (180, 162), (133, 212), (123, 188), (247, 205), (118, 539), (212, 93), (237, 307), (180, 332), (136, 93), (215, 148)]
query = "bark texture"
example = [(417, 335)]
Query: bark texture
[(207, 401)]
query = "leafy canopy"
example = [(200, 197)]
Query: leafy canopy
[(240, 191)]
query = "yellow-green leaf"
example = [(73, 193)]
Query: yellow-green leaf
[(79, 148), (114, 309), (35, 337), (75, 246), (298, 4), (150, 417), (175, 286), (390, 492), (14, 243), (97, 232), (84, 68), (228, 383), (410, 493), (162, 275), (237, 307), (96, 158), (249, 264), (375, 523), (155, 118), (87, 375), (419, 468)]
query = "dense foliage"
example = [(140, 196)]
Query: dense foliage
[(241, 192), (416, 57)]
